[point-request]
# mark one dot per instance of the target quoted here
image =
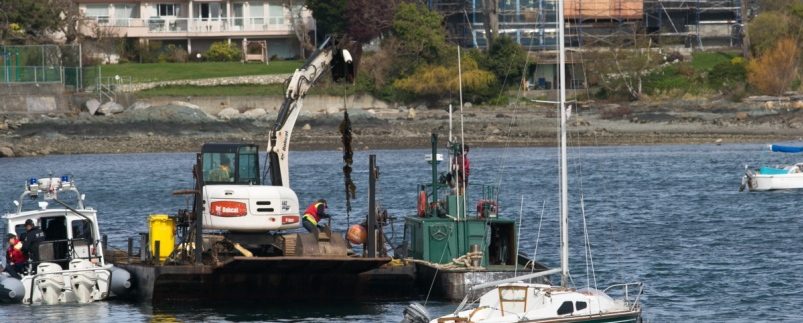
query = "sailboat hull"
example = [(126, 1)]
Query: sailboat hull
[(623, 317), (774, 182)]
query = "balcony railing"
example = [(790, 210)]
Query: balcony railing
[(196, 25)]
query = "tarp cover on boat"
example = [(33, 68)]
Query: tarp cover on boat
[(786, 149), (772, 171)]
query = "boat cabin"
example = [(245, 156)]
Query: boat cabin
[(56, 206), (454, 222)]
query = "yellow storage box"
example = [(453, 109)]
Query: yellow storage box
[(162, 228)]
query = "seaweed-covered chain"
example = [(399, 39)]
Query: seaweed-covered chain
[(348, 154)]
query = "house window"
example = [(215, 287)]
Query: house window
[(100, 12), (276, 14), (123, 13), (566, 308), (167, 9), (257, 13)]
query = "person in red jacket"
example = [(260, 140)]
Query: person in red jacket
[(462, 169), (314, 213), (15, 259)]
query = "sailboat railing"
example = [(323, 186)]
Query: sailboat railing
[(626, 287)]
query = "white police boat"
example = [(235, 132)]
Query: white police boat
[(71, 266)]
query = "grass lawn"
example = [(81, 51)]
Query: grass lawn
[(221, 90), (243, 90), (703, 61), (141, 73)]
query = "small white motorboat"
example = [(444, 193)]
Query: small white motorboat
[(71, 267), (782, 177)]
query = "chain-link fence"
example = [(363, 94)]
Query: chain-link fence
[(42, 64)]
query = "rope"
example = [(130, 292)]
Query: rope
[(518, 235), (589, 256), (538, 235), (462, 262), (445, 245)]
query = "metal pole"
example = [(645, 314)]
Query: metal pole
[(198, 211), (143, 246), (99, 83), (156, 256), (371, 243), (80, 74), (434, 173), (105, 243), (564, 177), (130, 248)]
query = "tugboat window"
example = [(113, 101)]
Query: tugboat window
[(581, 305), (566, 308)]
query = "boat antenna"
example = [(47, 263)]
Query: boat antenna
[(564, 178)]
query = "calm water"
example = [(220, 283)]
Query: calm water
[(670, 216)]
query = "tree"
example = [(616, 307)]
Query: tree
[(777, 5), (434, 82), (71, 19), (620, 71), (35, 19), (329, 15), (491, 10), (368, 19), (420, 36), (773, 72), (766, 29), (299, 26), (506, 59)]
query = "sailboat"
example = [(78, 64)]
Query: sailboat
[(515, 300), (783, 177)]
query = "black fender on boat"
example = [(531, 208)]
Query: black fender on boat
[(120, 283), (11, 289)]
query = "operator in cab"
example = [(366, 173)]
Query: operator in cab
[(223, 172), (315, 213)]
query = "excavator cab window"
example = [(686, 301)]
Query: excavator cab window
[(248, 165), (230, 164)]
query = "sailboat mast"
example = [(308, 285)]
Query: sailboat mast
[(564, 175)]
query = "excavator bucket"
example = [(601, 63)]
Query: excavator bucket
[(345, 59)]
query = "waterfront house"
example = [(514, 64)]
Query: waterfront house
[(195, 24)]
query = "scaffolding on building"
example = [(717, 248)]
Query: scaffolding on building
[(696, 24), (608, 23)]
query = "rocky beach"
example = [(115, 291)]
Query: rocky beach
[(170, 124)]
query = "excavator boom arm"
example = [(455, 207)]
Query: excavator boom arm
[(326, 57)]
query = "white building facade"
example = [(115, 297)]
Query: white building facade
[(196, 24)]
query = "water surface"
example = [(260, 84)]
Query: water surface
[(669, 216)]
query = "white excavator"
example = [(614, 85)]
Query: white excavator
[(236, 198)]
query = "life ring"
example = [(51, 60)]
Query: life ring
[(422, 203)]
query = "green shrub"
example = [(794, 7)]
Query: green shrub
[(223, 52), (673, 77), (174, 54), (148, 53), (727, 74)]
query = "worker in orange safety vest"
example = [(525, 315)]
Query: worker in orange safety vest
[(315, 213)]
